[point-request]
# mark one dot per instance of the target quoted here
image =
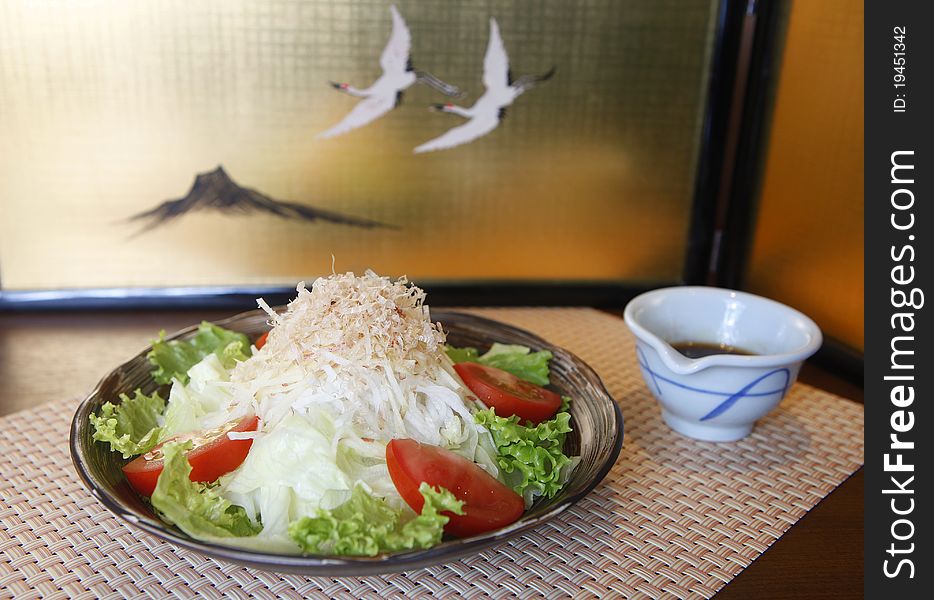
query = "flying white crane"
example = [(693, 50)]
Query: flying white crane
[(487, 112), (386, 92)]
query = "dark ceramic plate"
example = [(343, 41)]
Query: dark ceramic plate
[(597, 438)]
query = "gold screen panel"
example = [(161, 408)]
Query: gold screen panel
[(109, 109)]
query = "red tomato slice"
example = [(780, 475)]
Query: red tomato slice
[(261, 341), (508, 395), (212, 455), (488, 504)]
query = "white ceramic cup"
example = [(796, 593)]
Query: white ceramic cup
[(718, 397)]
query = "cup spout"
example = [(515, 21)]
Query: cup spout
[(676, 361)]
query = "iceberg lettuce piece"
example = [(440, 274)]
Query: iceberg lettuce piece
[(205, 394), (291, 471)]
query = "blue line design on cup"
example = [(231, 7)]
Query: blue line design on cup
[(644, 363), (732, 397)]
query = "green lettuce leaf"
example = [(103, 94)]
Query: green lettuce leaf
[(196, 508), (532, 459), (518, 360), (460, 355), (365, 525), (131, 427), (174, 358)]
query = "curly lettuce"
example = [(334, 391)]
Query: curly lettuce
[(531, 458), (131, 427), (518, 360), (195, 508), (172, 359), (365, 525)]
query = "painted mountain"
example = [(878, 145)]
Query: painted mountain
[(216, 191)]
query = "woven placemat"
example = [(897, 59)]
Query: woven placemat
[(675, 517)]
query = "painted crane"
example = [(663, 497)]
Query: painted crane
[(386, 92), (488, 111)]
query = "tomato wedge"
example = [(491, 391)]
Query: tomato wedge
[(488, 504), (508, 395), (212, 455), (261, 341)]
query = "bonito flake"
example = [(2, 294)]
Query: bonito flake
[(363, 349)]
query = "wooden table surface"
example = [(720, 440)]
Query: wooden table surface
[(49, 356)]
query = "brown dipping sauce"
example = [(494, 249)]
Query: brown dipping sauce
[(702, 349)]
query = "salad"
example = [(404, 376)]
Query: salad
[(349, 428)]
